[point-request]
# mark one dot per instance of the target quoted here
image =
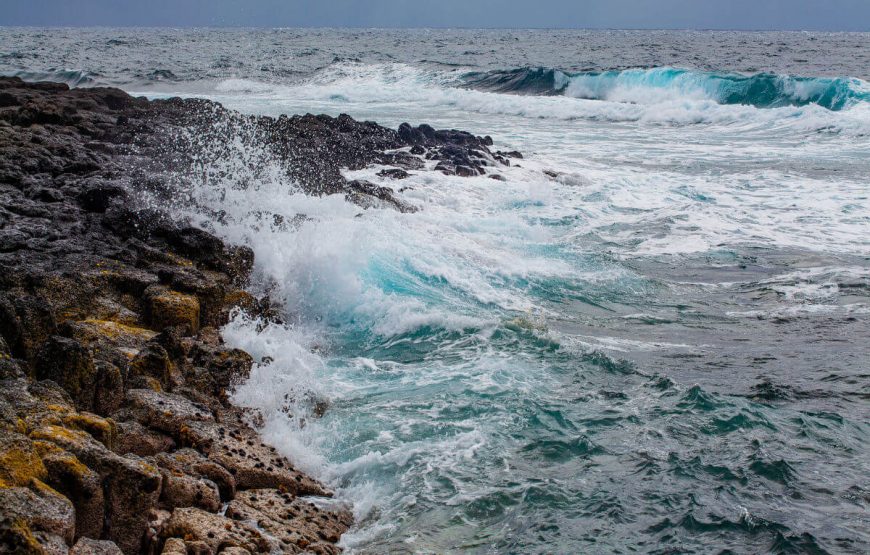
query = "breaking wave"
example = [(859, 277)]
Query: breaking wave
[(643, 86)]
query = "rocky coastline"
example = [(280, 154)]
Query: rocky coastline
[(117, 434)]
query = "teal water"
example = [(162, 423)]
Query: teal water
[(657, 346), (762, 90)]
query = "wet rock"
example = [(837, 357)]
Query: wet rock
[(256, 465), (98, 197), (297, 524), (218, 369), (204, 248), (369, 195), (394, 173)]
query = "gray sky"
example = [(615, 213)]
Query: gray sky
[(846, 15)]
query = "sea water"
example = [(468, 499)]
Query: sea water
[(662, 344)]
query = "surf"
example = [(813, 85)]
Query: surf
[(645, 86)]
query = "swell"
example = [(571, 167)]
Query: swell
[(762, 90)]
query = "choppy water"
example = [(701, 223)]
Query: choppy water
[(662, 349)]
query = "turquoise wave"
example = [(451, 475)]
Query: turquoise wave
[(763, 90)]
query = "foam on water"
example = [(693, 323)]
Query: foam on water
[(631, 351)]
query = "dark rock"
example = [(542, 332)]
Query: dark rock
[(394, 173), (69, 364), (25, 323), (152, 362), (98, 198)]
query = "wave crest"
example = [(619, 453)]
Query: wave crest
[(645, 86)]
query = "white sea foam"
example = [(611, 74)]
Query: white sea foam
[(407, 323)]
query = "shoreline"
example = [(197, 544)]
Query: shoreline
[(116, 430)]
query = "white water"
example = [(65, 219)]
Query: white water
[(362, 289)]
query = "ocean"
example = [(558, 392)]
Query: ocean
[(653, 336)]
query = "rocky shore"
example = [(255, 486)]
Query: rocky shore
[(117, 434)]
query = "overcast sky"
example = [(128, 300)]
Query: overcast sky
[(847, 15)]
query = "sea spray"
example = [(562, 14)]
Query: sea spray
[(627, 343)]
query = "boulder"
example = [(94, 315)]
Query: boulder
[(25, 323), (17, 537), (193, 463), (180, 418), (218, 369), (131, 485), (152, 362), (81, 485), (41, 508)]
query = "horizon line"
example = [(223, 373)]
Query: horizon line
[(440, 28)]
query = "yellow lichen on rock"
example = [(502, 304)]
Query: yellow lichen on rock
[(18, 538), (171, 308), (117, 331), (103, 430), (19, 462), (58, 434)]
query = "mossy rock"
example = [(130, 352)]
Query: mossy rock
[(19, 460), (168, 308), (103, 430), (17, 537), (152, 362)]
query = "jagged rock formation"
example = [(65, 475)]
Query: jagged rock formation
[(116, 431)]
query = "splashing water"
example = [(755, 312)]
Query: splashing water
[(653, 346)]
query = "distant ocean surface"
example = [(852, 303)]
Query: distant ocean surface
[(653, 337)]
